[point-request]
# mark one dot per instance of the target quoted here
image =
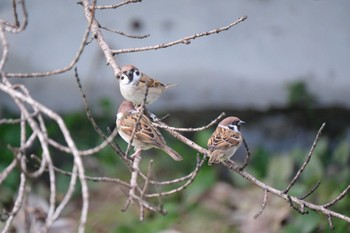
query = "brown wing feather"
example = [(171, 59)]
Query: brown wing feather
[(151, 82), (223, 139), (146, 133)]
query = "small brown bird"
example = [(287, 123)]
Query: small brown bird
[(146, 135), (132, 83), (225, 140)]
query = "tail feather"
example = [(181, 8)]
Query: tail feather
[(172, 153), (170, 85)]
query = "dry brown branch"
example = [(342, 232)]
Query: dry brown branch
[(90, 178), (16, 26), (307, 160), (97, 34), (263, 205), (20, 98), (144, 189), (33, 115), (280, 193), (7, 170), (113, 145), (123, 33), (247, 157), (311, 191), (200, 163), (213, 122), (106, 7), (338, 198), (186, 40), (62, 70), (17, 205)]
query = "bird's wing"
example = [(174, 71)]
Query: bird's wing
[(223, 139), (145, 131)]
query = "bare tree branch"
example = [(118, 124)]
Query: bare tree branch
[(186, 40), (307, 160), (33, 129), (62, 70), (263, 205)]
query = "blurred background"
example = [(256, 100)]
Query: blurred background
[(284, 71)]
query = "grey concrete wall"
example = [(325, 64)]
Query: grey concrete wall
[(248, 66)]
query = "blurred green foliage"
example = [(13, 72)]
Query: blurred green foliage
[(329, 164), (299, 95)]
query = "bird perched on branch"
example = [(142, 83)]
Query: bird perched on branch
[(133, 85), (146, 135), (225, 140)]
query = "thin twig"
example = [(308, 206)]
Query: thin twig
[(5, 47), (7, 170), (247, 157), (311, 191), (302, 208), (107, 7), (263, 205), (330, 222), (187, 40), (99, 38), (144, 190), (338, 198), (89, 178), (15, 121), (114, 145), (66, 68), (183, 138), (213, 122), (307, 160), (17, 26), (18, 203), (123, 33), (133, 180), (16, 95), (200, 163), (90, 151), (232, 166)]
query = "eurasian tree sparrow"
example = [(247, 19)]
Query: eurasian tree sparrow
[(146, 135), (132, 83), (225, 140)]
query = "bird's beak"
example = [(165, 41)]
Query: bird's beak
[(241, 123), (130, 75)]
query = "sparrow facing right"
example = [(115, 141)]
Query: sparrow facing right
[(146, 135), (133, 84), (225, 140)]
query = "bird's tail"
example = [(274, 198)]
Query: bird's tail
[(170, 85), (172, 153)]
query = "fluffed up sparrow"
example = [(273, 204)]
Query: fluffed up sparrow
[(132, 83), (225, 140), (146, 135)]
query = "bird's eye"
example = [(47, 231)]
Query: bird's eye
[(232, 126), (137, 72), (122, 77)]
